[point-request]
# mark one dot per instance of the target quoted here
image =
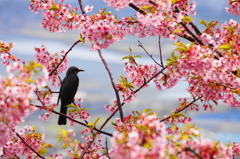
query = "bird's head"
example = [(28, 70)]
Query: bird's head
[(73, 70)]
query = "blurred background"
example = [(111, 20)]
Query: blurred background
[(20, 25)]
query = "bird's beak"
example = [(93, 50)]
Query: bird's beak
[(79, 70)]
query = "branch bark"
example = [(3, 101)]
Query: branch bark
[(28, 145), (81, 7), (64, 57), (83, 124), (180, 110), (113, 85), (137, 90)]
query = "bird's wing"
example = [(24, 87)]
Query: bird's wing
[(69, 88), (59, 95)]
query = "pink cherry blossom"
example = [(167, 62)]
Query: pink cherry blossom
[(88, 8)]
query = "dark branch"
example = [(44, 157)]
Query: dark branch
[(198, 32), (63, 58), (81, 6), (85, 150), (137, 8), (140, 45), (28, 145), (193, 35), (185, 36), (137, 90), (55, 112), (113, 85), (160, 50), (179, 110), (107, 152)]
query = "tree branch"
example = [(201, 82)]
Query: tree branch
[(140, 45), (197, 31), (160, 50), (185, 36), (113, 85), (180, 110), (137, 8), (193, 35), (83, 124), (85, 150), (28, 145), (81, 7), (137, 90), (64, 57), (107, 152)]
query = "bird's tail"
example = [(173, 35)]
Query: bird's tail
[(62, 120)]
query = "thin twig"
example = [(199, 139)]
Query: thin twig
[(140, 45), (85, 150), (179, 110), (113, 85), (106, 143), (160, 50), (64, 57), (81, 6), (55, 112), (39, 98), (137, 90), (28, 145)]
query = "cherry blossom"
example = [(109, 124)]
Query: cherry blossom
[(88, 8), (50, 61), (235, 7), (16, 92)]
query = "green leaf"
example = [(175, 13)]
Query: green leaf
[(212, 23), (90, 125), (225, 47), (95, 122), (203, 22), (191, 45), (64, 132), (126, 57), (177, 31), (187, 19), (138, 56), (146, 110), (146, 7), (72, 106), (85, 109)]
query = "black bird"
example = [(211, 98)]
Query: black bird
[(67, 91)]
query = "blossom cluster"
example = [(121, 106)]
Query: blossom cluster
[(16, 91), (51, 61), (144, 136), (188, 144), (15, 146), (235, 7), (56, 16), (74, 148), (76, 112), (236, 149), (211, 71), (102, 29), (6, 56), (141, 136)]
